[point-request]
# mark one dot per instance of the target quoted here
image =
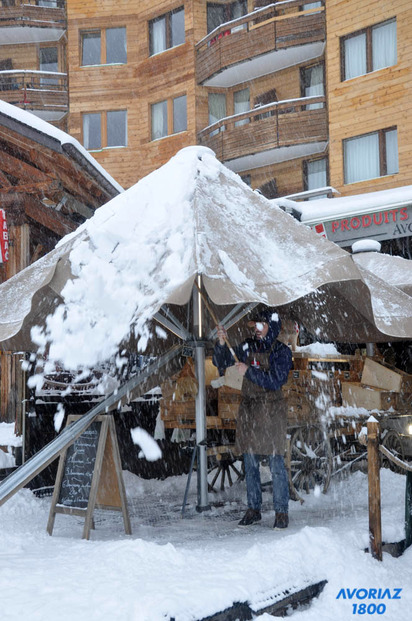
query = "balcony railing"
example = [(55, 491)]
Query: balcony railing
[(276, 27), (35, 90), (35, 13), (281, 124)]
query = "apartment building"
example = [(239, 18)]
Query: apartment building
[(294, 96), (33, 71)]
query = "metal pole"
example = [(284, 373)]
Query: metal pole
[(370, 349), (202, 487)]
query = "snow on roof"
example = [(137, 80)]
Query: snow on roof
[(34, 122), (328, 208)]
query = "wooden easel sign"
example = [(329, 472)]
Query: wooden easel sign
[(89, 476)]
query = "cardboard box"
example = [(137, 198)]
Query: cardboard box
[(375, 374), (356, 395)]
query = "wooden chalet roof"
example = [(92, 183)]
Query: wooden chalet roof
[(48, 182)]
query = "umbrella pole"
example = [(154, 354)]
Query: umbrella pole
[(202, 487)]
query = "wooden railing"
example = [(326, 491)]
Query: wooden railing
[(279, 124), (34, 90), (35, 13), (275, 27)]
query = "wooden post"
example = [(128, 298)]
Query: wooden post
[(408, 510), (375, 526)]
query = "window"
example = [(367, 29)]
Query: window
[(179, 114), (315, 175), (117, 128), (92, 131), (372, 155), (311, 5), (269, 189), (263, 99), (241, 103), (167, 31), (116, 52), (159, 120), (105, 129), (168, 117), (217, 110), (369, 50), (218, 14), (217, 107), (48, 61), (104, 47), (312, 84)]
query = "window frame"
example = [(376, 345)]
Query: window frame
[(103, 46), (369, 49), (382, 155), (228, 10), (302, 79), (104, 129), (168, 30), (169, 117), (305, 171)]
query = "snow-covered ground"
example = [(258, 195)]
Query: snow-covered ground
[(189, 568)]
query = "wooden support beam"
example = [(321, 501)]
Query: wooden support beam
[(20, 169), (38, 251), (48, 217), (41, 187), (374, 490), (4, 180)]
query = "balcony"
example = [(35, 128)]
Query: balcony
[(267, 40), (269, 134), (29, 21), (42, 92)]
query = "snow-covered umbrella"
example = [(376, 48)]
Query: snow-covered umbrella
[(139, 256), (145, 248), (394, 270)]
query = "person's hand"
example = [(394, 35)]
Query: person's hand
[(241, 367), (221, 334)]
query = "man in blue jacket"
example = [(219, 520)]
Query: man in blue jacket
[(264, 363)]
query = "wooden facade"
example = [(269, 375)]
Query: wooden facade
[(33, 71), (144, 79), (230, 58), (373, 101)]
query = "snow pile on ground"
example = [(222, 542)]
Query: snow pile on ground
[(189, 568)]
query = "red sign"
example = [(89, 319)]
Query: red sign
[(4, 238)]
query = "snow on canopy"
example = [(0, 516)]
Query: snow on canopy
[(146, 246), (395, 270)]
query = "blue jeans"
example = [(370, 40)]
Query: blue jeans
[(279, 478)]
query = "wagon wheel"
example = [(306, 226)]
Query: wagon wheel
[(309, 460), (393, 443), (223, 472)]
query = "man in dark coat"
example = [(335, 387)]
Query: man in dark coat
[(264, 363)]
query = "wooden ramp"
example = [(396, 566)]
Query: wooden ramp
[(132, 388)]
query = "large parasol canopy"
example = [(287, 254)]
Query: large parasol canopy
[(131, 272), (144, 249)]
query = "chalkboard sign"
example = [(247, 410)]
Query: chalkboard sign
[(90, 475), (79, 467)]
